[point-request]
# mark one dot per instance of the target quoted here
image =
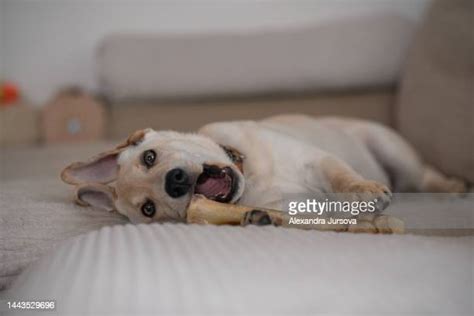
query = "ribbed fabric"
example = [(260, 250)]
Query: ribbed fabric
[(175, 269)]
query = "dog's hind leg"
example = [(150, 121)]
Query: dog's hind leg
[(434, 181), (405, 168)]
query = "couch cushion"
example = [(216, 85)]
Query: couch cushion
[(361, 51), (191, 115), (436, 109)]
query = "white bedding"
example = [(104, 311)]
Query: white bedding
[(194, 270), (201, 270)]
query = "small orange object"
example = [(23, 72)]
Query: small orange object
[(9, 93)]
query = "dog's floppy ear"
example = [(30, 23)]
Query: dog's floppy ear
[(98, 195), (102, 168)]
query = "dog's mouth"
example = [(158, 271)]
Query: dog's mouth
[(215, 183)]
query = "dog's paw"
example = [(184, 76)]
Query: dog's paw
[(366, 190), (377, 224), (435, 182), (362, 227), (387, 224), (455, 185), (256, 217)]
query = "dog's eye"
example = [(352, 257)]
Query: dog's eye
[(149, 157), (148, 208)]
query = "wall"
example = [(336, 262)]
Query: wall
[(46, 44), (2, 20)]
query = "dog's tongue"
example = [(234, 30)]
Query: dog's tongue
[(213, 186)]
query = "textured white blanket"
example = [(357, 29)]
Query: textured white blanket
[(36, 209), (199, 270)]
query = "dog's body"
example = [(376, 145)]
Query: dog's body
[(290, 155), (284, 155)]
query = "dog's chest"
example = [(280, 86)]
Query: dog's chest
[(276, 169), (275, 163)]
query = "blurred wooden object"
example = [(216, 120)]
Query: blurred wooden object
[(72, 116), (18, 124)]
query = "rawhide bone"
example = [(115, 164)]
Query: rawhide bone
[(204, 211)]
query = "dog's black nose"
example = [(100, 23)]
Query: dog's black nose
[(177, 183)]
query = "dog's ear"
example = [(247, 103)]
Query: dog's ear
[(102, 168), (98, 195), (135, 138)]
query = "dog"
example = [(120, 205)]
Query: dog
[(153, 175)]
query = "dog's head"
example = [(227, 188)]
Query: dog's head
[(155, 175)]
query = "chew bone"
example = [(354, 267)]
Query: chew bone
[(204, 211)]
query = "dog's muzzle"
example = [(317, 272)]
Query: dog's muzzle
[(215, 183)]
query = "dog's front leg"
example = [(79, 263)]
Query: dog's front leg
[(366, 223), (342, 179)]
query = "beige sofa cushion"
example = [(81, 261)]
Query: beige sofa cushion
[(436, 105), (186, 116), (339, 54)]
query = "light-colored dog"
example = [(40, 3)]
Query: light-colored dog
[(257, 163)]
